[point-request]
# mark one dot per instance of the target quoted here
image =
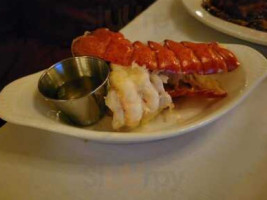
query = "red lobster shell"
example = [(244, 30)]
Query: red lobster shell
[(184, 58)]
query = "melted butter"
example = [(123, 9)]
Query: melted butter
[(76, 88)]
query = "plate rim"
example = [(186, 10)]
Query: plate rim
[(235, 30), (136, 137)]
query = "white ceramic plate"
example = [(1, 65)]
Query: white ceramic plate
[(195, 9), (21, 104)]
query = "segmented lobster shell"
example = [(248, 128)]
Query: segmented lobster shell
[(178, 57)]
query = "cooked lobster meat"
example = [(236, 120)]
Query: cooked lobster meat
[(135, 96), (186, 60)]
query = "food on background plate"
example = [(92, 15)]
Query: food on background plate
[(249, 13), (145, 77)]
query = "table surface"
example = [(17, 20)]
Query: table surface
[(224, 160)]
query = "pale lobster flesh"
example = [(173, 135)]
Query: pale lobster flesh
[(189, 61)]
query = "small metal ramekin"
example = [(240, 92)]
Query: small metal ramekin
[(90, 106)]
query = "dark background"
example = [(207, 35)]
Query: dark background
[(34, 34)]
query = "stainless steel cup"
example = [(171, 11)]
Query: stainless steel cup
[(77, 86)]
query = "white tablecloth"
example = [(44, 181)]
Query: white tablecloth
[(224, 160)]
